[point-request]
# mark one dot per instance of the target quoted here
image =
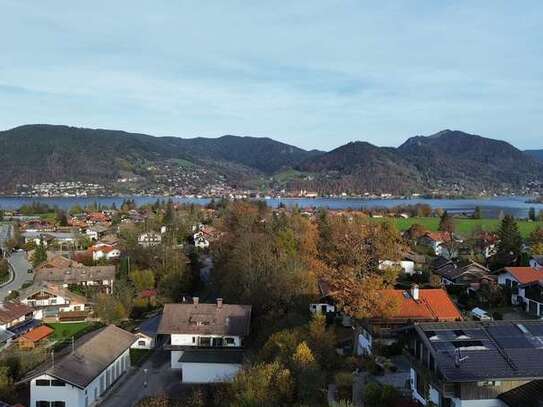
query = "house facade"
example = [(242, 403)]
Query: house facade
[(414, 305), (471, 276), (513, 277), (205, 340), (101, 277), (530, 296), (102, 251), (16, 319), (536, 262), (440, 242), (474, 364), (406, 266), (54, 301), (149, 239), (83, 377)]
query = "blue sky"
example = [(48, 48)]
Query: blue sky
[(312, 73)]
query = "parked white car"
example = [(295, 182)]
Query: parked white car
[(480, 314)]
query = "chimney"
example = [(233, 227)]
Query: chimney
[(219, 303), (195, 300), (415, 292)]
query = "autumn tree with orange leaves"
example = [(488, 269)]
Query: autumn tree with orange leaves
[(351, 248)]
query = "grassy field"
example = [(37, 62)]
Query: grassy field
[(464, 227), (67, 330)]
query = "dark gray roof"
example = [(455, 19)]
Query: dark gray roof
[(212, 356), (205, 319), (489, 350), (528, 395), (93, 356), (150, 326), (451, 271), (75, 275)]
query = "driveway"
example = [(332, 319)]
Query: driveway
[(19, 266), (160, 380)]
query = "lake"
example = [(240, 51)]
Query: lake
[(491, 207)]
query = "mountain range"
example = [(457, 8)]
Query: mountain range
[(448, 161)]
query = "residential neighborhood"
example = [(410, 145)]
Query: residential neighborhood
[(167, 301)]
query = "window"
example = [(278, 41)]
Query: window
[(42, 382), (230, 341), (420, 385), (57, 383), (58, 404), (204, 341), (217, 342), (43, 404), (141, 343), (417, 349), (489, 383), (193, 339)]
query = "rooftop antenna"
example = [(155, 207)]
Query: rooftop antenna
[(458, 359)]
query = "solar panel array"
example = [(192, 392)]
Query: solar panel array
[(477, 351)]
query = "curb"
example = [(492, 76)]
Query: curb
[(11, 276)]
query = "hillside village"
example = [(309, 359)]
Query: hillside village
[(239, 304)]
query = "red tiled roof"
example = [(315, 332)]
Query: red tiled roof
[(433, 304), (148, 293), (39, 333), (525, 275), (101, 248)]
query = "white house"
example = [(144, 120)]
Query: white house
[(200, 241), (536, 262), (406, 266), (15, 320), (104, 251), (60, 238), (149, 239), (530, 296), (206, 339), (101, 277), (146, 333), (96, 232), (512, 277), (53, 300), (439, 242), (81, 378)]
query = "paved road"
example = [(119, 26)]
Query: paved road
[(161, 380), (19, 265), (5, 232)]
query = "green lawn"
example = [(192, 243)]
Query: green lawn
[(52, 216), (138, 356), (464, 227), (67, 330)]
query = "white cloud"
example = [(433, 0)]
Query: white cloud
[(312, 73)]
